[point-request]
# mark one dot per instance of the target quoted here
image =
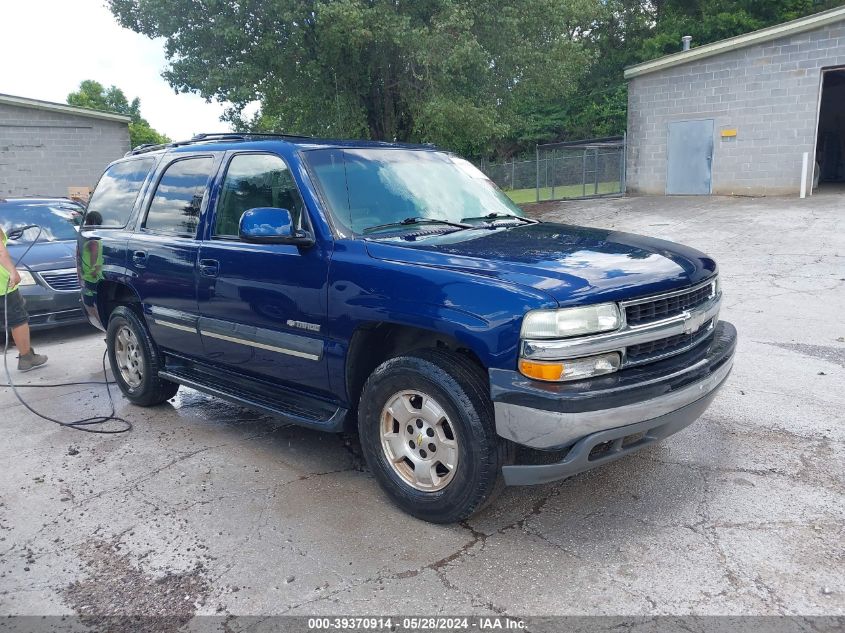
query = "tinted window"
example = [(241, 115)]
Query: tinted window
[(256, 180), (57, 220), (115, 195), (176, 204)]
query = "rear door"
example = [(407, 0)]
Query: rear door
[(690, 157), (101, 247), (262, 306), (162, 253)]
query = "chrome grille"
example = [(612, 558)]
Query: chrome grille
[(665, 325), (62, 280), (665, 347), (664, 307)]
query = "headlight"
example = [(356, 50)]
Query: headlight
[(568, 322), (26, 278)]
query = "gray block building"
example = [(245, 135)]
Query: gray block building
[(736, 116), (48, 148)]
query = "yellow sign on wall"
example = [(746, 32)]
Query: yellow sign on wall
[(729, 133)]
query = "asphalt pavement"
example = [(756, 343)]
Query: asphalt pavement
[(207, 508)]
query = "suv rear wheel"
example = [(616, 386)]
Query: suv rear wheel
[(427, 432), (135, 360)]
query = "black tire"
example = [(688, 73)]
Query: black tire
[(152, 390), (461, 389)]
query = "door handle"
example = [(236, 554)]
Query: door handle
[(140, 258), (209, 267)]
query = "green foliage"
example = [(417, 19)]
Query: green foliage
[(92, 94), (478, 77), (648, 29), (140, 133), (711, 20), (459, 73), (627, 32)]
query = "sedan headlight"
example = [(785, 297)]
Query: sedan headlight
[(26, 278), (568, 322)]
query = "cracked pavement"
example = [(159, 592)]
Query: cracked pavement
[(741, 513)]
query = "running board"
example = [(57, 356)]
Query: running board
[(289, 407)]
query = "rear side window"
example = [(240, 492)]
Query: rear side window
[(177, 201), (256, 180), (113, 200)]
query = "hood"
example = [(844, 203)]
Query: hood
[(573, 264), (46, 255)]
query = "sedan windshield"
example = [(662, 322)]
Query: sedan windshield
[(58, 220), (387, 190)]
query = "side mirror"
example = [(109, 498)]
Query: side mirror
[(268, 225)]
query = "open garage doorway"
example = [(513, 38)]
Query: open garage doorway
[(830, 144)]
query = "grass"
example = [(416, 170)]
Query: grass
[(523, 196)]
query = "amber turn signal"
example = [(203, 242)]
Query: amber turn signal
[(572, 369), (541, 371)]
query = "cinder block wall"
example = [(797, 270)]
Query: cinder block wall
[(769, 93), (44, 152)]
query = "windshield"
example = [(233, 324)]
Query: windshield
[(367, 188), (58, 220)]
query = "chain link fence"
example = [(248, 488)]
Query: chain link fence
[(558, 171)]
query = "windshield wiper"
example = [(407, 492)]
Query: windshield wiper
[(500, 216), (416, 220)]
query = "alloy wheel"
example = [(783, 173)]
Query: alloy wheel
[(130, 360), (419, 441)]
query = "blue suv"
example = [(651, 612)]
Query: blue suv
[(336, 284)]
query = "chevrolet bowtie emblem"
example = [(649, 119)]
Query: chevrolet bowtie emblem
[(692, 322), (419, 439)]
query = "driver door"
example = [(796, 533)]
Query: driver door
[(262, 306)]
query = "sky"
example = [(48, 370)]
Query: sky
[(48, 46)]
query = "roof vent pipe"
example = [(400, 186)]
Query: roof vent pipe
[(687, 40)]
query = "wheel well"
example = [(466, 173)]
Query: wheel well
[(111, 294), (374, 343)]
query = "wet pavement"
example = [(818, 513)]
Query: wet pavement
[(206, 508)]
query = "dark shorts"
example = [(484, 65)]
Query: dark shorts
[(89, 293), (15, 306)]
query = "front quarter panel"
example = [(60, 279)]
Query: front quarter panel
[(482, 313)]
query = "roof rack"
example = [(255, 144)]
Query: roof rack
[(147, 147), (208, 137)]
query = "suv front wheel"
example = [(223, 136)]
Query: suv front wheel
[(134, 360), (428, 435)]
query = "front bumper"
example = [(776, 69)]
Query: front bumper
[(595, 421), (50, 308)]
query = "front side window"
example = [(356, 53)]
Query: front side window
[(367, 188), (252, 181), (176, 205), (114, 198)]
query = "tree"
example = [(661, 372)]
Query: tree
[(475, 76), (460, 73), (92, 94), (141, 133), (711, 20), (626, 32)]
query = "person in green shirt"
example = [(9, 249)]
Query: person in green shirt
[(13, 310), (91, 264)]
